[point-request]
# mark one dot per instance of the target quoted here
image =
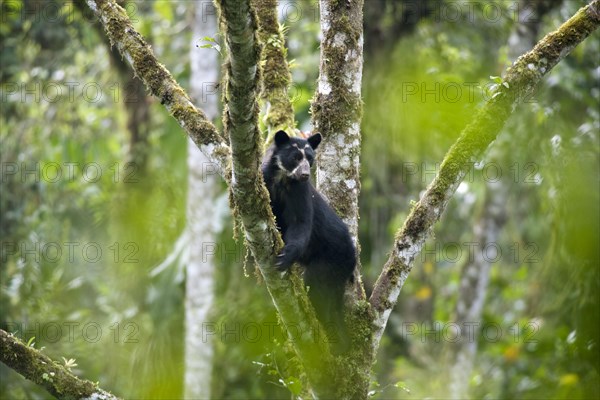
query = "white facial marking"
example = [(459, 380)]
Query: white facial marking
[(279, 164)]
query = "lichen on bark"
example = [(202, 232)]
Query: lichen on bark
[(336, 113), (337, 108)]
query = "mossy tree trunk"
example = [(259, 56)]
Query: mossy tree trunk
[(275, 70), (336, 114), (239, 162), (337, 107)]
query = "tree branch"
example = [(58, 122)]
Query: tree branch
[(138, 53), (521, 79), (251, 197), (276, 74), (39, 368)]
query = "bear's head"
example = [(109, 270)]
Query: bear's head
[(295, 156)]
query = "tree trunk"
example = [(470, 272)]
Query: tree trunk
[(203, 218), (251, 198), (473, 287), (276, 77), (336, 114)]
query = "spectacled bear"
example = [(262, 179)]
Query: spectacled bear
[(314, 236)]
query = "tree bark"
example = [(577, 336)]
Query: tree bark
[(276, 77), (39, 368), (336, 114), (203, 214), (521, 79), (337, 107)]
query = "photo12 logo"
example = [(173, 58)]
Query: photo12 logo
[(71, 331), (470, 332), (53, 172), (72, 252)]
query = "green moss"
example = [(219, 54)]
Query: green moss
[(360, 319), (275, 70), (40, 369)]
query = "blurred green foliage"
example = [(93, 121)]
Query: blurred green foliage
[(419, 93)]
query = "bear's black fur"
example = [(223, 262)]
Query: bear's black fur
[(314, 236)]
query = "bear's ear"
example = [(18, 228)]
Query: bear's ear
[(314, 140), (281, 138)]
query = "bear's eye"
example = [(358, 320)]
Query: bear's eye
[(309, 158), (298, 156)]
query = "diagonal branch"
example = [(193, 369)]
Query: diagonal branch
[(521, 79), (138, 53), (39, 368), (250, 194), (276, 74)]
